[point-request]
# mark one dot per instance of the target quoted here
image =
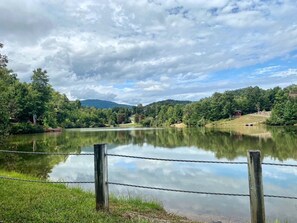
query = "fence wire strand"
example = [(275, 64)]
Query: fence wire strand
[(144, 187), (175, 160), (279, 164), (197, 192), (280, 196), (145, 158), (46, 153), (46, 182), (176, 190)]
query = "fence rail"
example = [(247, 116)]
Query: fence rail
[(101, 182)]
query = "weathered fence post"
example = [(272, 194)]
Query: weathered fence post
[(256, 187), (101, 186)]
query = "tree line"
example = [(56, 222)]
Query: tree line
[(282, 103), (32, 107), (35, 106)]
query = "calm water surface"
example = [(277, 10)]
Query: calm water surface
[(280, 145)]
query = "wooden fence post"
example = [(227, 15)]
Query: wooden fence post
[(256, 187), (101, 186)]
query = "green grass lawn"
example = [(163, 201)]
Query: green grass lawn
[(130, 125), (240, 122), (36, 202), (239, 125)]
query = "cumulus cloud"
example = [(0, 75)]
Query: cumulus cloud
[(24, 21), (266, 70), (285, 73), (127, 49)]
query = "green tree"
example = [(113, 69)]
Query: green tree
[(178, 113), (229, 104), (284, 111), (4, 113), (3, 58), (40, 93), (6, 81)]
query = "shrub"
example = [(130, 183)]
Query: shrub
[(25, 128)]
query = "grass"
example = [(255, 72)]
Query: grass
[(241, 121), (279, 221), (35, 202), (239, 125), (130, 125)]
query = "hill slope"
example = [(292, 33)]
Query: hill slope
[(102, 104), (169, 102), (245, 120), (250, 124)]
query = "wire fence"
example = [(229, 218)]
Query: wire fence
[(46, 153), (175, 160), (46, 181), (144, 158), (141, 186), (279, 164)]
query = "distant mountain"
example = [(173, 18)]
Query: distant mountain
[(170, 102), (102, 104)]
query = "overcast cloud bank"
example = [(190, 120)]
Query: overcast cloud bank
[(147, 50)]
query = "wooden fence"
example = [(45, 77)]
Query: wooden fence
[(256, 193)]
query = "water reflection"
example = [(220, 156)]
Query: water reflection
[(188, 176), (202, 144)]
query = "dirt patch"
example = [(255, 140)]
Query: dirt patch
[(179, 125), (156, 218)]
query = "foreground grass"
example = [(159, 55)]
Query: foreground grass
[(35, 202)]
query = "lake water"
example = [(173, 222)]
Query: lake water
[(278, 145)]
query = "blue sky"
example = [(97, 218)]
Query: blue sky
[(148, 50)]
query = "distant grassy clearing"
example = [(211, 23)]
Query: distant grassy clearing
[(130, 125), (178, 125), (35, 202), (255, 119), (251, 124)]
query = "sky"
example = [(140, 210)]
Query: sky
[(143, 51)]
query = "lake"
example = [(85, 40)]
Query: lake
[(277, 145)]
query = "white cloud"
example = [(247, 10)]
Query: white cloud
[(268, 70), (151, 85), (285, 73)]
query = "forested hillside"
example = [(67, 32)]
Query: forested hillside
[(32, 107), (248, 100), (95, 103)]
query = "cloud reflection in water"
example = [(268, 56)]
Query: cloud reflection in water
[(187, 176)]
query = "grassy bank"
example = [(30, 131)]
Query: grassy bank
[(252, 124), (35, 202), (130, 125), (245, 120)]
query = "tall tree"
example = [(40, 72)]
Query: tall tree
[(3, 58), (5, 78), (40, 93)]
